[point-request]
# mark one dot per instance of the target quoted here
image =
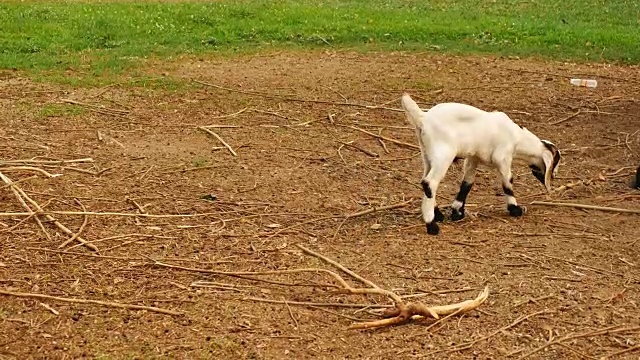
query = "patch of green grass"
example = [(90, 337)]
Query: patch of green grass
[(102, 39), (199, 162), (55, 110)]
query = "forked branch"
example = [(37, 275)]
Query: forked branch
[(402, 312)]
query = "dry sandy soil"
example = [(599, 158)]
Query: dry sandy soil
[(569, 275)]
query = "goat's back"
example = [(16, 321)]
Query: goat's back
[(473, 131)]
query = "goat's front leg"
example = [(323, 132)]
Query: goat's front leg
[(430, 187), (507, 187), (457, 208)]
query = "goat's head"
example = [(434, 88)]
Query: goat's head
[(545, 167)]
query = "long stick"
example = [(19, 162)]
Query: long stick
[(91, 213), (219, 139), (89, 301), (52, 162), (590, 207), (397, 142)]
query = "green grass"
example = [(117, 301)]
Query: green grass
[(54, 110), (107, 38)]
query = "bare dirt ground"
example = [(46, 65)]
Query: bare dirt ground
[(567, 271)]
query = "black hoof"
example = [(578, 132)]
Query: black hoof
[(457, 215), (432, 228), (514, 210), (438, 216)]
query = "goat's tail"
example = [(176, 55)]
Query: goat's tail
[(412, 110)]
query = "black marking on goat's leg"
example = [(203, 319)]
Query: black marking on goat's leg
[(457, 208), (427, 189), (507, 191), (433, 228), (512, 206), (514, 210), (438, 216)]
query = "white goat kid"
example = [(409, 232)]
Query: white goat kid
[(452, 131)]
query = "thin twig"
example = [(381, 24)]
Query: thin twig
[(620, 352), (291, 313), (89, 301), (567, 118), (590, 207), (468, 344), (306, 303), (30, 168), (51, 218), (369, 211), (593, 268), (17, 192), (219, 139), (609, 330), (397, 142), (84, 223)]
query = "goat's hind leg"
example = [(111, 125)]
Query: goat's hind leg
[(438, 216), (430, 186), (457, 208), (507, 188)]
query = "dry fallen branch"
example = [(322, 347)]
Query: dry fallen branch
[(590, 207), (89, 301), (205, 129), (402, 312)]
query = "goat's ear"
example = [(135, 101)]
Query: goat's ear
[(547, 158), (556, 156)]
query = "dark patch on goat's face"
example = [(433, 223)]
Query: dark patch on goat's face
[(537, 172), (427, 189), (637, 182)]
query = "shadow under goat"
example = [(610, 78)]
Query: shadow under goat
[(451, 131), (636, 182)]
